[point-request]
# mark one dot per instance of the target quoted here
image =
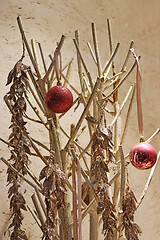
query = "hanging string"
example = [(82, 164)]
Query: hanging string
[(139, 99), (58, 65)]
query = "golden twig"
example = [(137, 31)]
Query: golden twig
[(68, 72), (88, 208), (115, 77), (92, 53), (40, 144), (79, 63), (110, 61), (34, 178), (122, 188), (75, 142), (75, 223), (73, 88), (122, 106), (86, 148), (148, 181), (96, 50), (36, 149), (32, 119), (28, 48), (38, 210), (56, 146), (36, 98), (34, 216), (120, 83), (139, 100), (110, 43), (128, 55), (153, 135), (41, 201), (74, 102), (56, 53), (127, 117), (84, 65), (84, 112), (79, 200), (35, 54), (37, 88), (36, 111), (84, 175), (42, 56), (17, 172)]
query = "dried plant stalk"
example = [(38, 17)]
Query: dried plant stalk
[(42, 56), (56, 146), (35, 53), (38, 210), (127, 117), (110, 43), (36, 98), (16, 171), (34, 216), (103, 155), (110, 60), (37, 88), (153, 135), (96, 50), (139, 100), (69, 69), (84, 65), (121, 82), (27, 47), (92, 53), (75, 220), (73, 88), (79, 62), (122, 190), (148, 182), (122, 106), (40, 201), (84, 112)]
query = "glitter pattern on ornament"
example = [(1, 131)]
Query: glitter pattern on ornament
[(59, 99)]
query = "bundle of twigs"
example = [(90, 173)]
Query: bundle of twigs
[(99, 184)]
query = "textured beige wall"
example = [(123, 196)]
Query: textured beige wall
[(46, 21)]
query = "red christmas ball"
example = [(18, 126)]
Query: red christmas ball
[(143, 156), (59, 99)]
